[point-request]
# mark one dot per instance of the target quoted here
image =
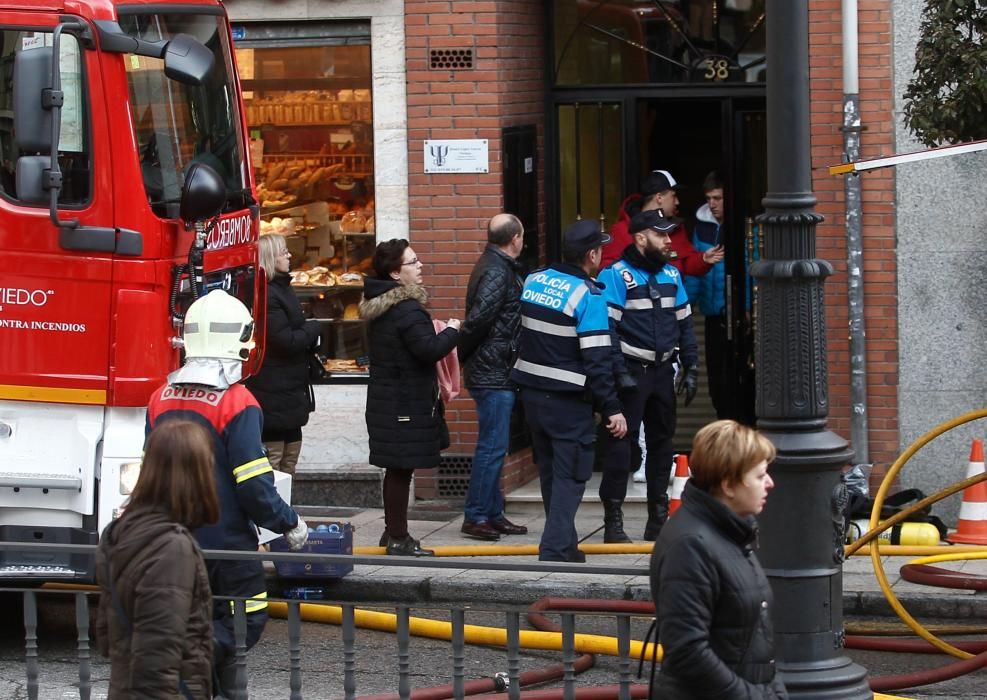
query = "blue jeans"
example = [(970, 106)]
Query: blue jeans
[(484, 501)]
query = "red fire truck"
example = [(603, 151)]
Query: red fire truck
[(125, 192)]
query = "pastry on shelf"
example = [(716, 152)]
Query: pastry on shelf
[(333, 365), (353, 222), (351, 278)]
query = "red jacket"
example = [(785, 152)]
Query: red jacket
[(686, 259)]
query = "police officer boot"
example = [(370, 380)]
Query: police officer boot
[(657, 515), (613, 523)]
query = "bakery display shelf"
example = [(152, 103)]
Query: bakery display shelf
[(325, 288), (307, 83), (303, 125)]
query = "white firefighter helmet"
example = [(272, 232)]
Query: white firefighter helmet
[(218, 326)]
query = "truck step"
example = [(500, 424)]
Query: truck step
[(27, 480)]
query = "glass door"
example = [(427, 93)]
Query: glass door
[(590, 162)]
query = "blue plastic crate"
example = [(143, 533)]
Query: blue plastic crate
[(337, 539)]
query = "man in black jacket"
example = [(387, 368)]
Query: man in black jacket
[(487, 348)]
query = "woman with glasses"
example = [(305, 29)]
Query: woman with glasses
[(404, 412), (282, 387)]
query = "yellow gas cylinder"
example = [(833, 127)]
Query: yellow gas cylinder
[(925, 534)]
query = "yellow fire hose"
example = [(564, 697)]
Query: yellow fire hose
[(472, 634), (875, 552)]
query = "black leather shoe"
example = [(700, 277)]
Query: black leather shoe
[(407, 546), (506, 527), (383, 540), (480, 531)]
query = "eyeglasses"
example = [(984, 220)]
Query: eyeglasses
[(413, 261), (283, 253)]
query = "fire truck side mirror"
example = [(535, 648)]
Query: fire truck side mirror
[(32, 81), (203, 194), (187, 60)]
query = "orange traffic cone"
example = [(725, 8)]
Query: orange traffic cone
[(678, 483), (972, 525)]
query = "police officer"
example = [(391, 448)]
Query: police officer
[(650, 310), (565, 369), (218, 337)]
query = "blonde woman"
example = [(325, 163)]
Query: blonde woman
[(712, 599), (282, 387)]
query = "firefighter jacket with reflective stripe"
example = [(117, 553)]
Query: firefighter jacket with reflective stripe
[(650, 310), (565, 342), (244, 477)]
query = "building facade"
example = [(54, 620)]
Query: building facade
[(562, 107)]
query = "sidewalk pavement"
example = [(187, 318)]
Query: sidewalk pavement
[(368, 583)]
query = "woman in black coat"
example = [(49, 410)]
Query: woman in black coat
[(712, 599), (404, 412), (282, 386)]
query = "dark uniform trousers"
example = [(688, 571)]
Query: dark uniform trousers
[(653, 402), (562, 435)]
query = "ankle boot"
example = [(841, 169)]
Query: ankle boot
[(613, 523), (657, 515), (407, 546)]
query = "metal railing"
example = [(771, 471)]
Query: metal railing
[(509, 682)]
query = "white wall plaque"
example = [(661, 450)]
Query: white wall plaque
[(457, 156)]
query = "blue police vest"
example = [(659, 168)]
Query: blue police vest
[(651, 313), (565, 342)]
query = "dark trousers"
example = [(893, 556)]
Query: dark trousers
[(716, 350), (242, 579), (562, 435), (653, 403), (397, 489), (731, 390)]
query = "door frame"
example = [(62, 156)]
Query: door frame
[(628, 97)]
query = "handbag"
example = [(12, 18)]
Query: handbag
[(316, 368)]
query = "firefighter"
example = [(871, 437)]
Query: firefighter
[(218, 337), (564, 369), (650, 310)]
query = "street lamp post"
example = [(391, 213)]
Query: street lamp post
[(801, 528)]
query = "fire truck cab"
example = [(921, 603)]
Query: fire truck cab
[(125, 192)]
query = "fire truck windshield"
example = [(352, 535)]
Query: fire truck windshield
[(177, 124)]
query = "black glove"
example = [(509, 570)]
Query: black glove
[(688, 383), (625, 381)]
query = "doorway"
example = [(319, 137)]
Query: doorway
[(692, 138), (689, 136)]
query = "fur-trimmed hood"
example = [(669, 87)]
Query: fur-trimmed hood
[(379, 296)]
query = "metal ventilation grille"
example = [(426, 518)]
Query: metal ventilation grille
[(450, 59), (453, 479)]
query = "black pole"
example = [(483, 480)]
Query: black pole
[(801, 527)]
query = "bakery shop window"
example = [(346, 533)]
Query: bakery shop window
[(309, 107)]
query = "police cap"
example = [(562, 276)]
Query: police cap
[(653, 219), (584, 235)]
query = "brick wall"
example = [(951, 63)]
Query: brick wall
[(878, 223), (506, 88), (449, 213)]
